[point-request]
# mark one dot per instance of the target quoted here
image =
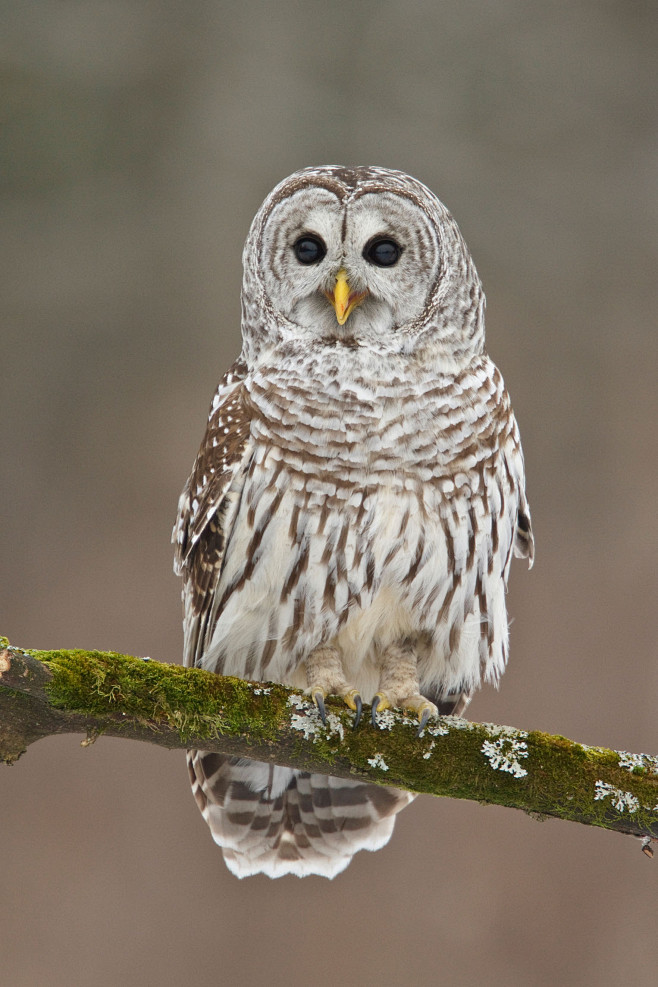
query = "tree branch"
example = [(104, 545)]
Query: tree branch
[(43, 693)]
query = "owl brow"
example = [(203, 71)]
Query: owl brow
[(410, 196), (376, 188), (303, 184)]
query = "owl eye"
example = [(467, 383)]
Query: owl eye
[(309, 249), (382, 252)]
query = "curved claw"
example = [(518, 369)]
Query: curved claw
[(424, 717), (358, 705), (375, 706), (318, 699)]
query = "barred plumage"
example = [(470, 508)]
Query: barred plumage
[(351, 516)]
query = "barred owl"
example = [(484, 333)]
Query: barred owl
[(350, 519)]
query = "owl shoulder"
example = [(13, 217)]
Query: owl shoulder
[(220, 457)]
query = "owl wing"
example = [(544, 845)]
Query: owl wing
[(524, 540), (205, 509)]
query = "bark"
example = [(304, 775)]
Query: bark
[(43, 693)]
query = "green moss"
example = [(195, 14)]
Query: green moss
[(195, 703)]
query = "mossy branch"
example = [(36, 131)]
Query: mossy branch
[(43, 693)]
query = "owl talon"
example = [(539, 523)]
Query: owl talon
[(375, 704), (423, 708), (355, 703), (380, 702), (318, 699), (424, 717)]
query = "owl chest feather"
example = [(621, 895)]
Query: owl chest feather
[(379, 427), (361, 517)]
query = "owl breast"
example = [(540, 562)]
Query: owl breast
[(370, 512)]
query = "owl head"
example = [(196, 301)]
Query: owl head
[(360, 257)]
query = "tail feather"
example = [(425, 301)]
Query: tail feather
[(275, 821)]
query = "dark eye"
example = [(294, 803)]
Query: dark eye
[(382, 252), (309, 249)]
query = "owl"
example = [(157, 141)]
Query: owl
[(352, 512)]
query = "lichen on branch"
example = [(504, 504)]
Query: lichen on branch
[(43, 693)]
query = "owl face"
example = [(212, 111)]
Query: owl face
[(349, 270), (365, 257)]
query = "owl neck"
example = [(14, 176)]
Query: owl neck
[(365, 368)]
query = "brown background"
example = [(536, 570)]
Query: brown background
[(140, 139)]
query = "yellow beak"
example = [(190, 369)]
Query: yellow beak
[(344, 301)]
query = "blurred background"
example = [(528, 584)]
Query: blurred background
[(139, 139)]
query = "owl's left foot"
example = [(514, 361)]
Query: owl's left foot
[(417, 704), (399, 687)]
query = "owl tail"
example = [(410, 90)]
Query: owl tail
[(275, 821)]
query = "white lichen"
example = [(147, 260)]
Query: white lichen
[(334, 725), (621, 800), (309, 722), (499, 730), (428, 753), (436, 729), (387, 719), (647, 762), (457, 723), (504, 753), (305, 725), (378, 762), (264, 691)]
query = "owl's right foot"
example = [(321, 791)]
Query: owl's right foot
[(352, 698), (354, 701), (324, 674)]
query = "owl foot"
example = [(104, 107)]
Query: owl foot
[(324, 675), (318, 699), (399, 687), (380, 702), (351, 698), (422, 707)]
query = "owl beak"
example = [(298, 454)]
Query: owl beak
[(343, 300)]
